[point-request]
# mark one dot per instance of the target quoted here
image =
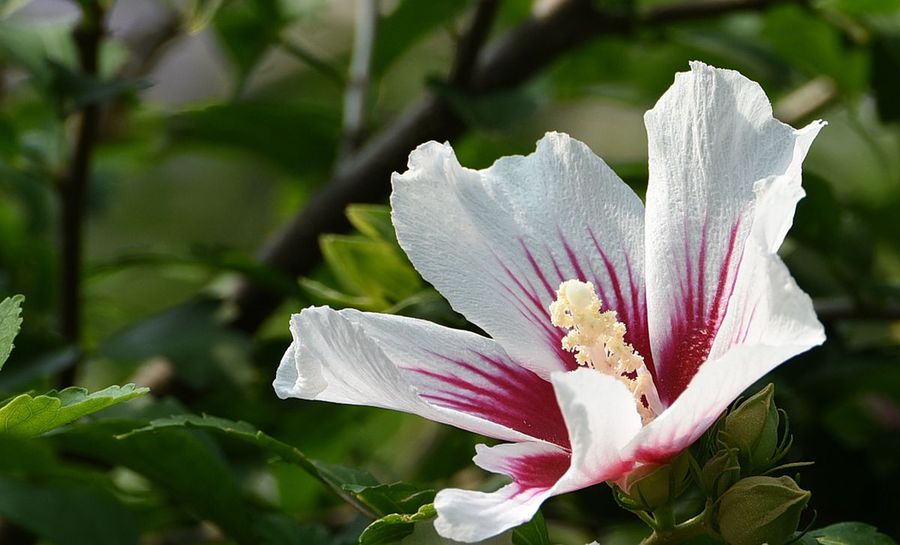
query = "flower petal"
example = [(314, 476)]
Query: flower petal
[(769, 320), (498, 242), (601, 419), (446, 375), (471, 516), (712, 141)]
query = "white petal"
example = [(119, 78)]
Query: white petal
[(471, 516), (716, 385), (446, 375), (498, 242), (713, 143), (601, 418)]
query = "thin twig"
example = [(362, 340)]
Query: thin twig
[(471, 42), (73, 186), (147, 44), (802, 103), (365, 176), (312, 60), (357, 90)]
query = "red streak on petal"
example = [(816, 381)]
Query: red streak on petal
[(693, 334), (551, 291), (537, 470), (540, 317), (500, 392), (634, 318)]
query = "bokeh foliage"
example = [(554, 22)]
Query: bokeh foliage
[(220, 119)]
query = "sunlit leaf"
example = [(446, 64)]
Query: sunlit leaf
[(368, 267), (200, 13), (10, 322), (372, 220), (386, 499), (33, 415), (392, 528)]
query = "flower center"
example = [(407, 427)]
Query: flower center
[(598, 341)]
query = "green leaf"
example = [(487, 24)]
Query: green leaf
[(369, 267), (411, 21), (247, 29), (10, 322), (74, 90), (33, 47), (373, 221), (295, 137), (533, 532), (388, 499), (199, 13), (846, 533), (67, 513), (496, 111), (321, 293), (393, 528), (336, 477), (21, 455), (34, 415), (184, 464)]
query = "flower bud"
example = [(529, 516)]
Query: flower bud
[(761, 510), (652, 486), (752, 428), (720, 472)]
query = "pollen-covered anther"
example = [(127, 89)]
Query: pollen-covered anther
[(598, 341)]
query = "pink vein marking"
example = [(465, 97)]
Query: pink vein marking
[(634, 319), (511, 396), (551, 291), (573, 259), (535, 473), (539, 317), (692, 337)]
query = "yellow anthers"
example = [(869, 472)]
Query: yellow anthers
[(598, 341)]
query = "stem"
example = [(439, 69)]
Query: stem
[(471, 43), (73, 188), (679, 533), (357, 91), (665, 518), (312, 60)]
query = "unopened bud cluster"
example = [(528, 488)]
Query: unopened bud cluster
[(726, 486)]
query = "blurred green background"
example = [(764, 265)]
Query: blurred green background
[(221, 126)]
